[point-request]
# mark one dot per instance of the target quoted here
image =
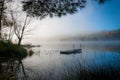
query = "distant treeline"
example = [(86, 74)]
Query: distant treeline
[(104, 35)]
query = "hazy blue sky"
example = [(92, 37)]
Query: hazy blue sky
[(90, 19)]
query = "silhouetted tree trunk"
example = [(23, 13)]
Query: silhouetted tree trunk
[(0, 29), (19, 41)]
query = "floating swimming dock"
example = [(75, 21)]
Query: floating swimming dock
[(73, 51)]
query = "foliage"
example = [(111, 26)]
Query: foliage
[(10, 50), (4, 77), (43, 8), (30, 53), (52, 8)]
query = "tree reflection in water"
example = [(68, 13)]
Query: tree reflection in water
[(12, 69)]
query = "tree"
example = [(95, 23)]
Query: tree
[(43, 8), (2, 13), (7, 30), (15, 22), (19, 27)]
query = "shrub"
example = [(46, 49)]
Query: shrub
[(30, 53), (10, 50)]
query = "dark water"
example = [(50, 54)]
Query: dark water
[(48, 64)]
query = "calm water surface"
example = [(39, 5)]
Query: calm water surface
[(48, 64)]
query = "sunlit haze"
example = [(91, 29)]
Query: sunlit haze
[(91, 19)]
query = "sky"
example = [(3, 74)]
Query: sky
[(94, 17)]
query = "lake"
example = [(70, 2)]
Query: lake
[(48, 64)]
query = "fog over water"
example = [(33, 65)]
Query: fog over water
[(47, 63)]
